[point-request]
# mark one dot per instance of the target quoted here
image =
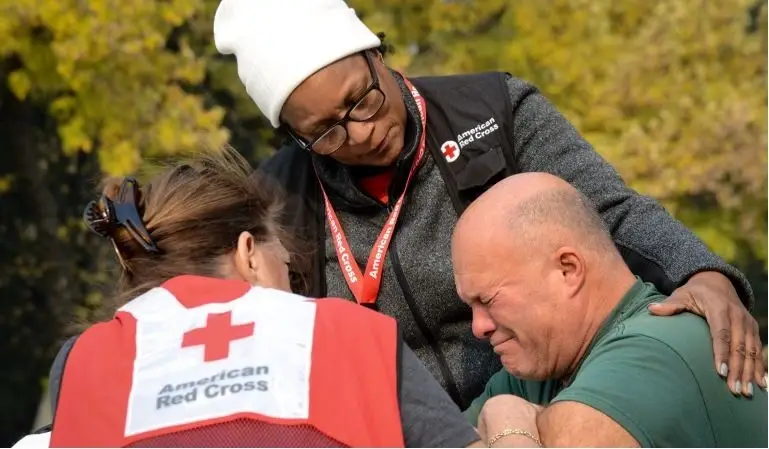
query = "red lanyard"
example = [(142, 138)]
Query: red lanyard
[(365, 287)]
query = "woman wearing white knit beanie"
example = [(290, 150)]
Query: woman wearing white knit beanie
[(280, 69)]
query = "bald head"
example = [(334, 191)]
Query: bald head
[(537, 211), (532, 259)]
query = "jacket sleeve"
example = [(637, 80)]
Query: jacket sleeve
[(650, 239), (57, 373)]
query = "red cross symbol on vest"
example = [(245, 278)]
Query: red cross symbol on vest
[(217, 335), (450, 150)]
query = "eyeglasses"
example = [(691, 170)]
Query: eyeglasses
[(365, 107)]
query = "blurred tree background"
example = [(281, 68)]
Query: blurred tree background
[(673, 93)]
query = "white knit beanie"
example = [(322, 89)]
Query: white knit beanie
[(280, 43)]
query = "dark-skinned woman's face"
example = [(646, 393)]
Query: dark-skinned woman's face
[(326, 96)]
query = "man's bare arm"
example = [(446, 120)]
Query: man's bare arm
[(572, 424)]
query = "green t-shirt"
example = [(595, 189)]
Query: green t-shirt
[(656, 377)]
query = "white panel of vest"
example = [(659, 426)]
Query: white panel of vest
[(252, 354)]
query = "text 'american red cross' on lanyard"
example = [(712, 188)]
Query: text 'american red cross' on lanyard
[(365, 287)]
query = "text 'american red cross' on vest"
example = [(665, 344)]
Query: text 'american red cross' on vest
[(451, 149), (477, 132), (221, 384)]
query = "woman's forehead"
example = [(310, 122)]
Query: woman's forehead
[(325, 92)]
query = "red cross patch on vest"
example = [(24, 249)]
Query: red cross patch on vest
[(209, 362)]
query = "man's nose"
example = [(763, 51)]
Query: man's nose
[(483, 326), (359, 132)]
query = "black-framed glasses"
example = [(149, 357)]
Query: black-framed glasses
[(365, 107)]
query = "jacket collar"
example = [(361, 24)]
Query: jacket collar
[(339, 179)]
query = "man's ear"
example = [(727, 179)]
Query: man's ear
[(571, 265)]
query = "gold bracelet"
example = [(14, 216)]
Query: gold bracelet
[(508, 432)]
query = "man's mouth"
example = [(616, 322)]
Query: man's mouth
[(497, 345)]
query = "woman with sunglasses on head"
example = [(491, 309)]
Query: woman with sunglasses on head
[(207, 346)]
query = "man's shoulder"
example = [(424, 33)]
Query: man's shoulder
[(686, 335), (656, 377), (681, 333), (681, 341)]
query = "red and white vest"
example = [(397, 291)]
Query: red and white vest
[(209, 362)]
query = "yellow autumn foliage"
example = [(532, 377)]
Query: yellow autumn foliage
[(109, 78)]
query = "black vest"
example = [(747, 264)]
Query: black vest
[(470, 114)]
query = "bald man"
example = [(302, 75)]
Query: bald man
[(585, 363)]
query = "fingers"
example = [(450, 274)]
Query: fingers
[(748, 369), (737, 348), (722, 341), (670, 307), (759, 367), (737, 354)]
